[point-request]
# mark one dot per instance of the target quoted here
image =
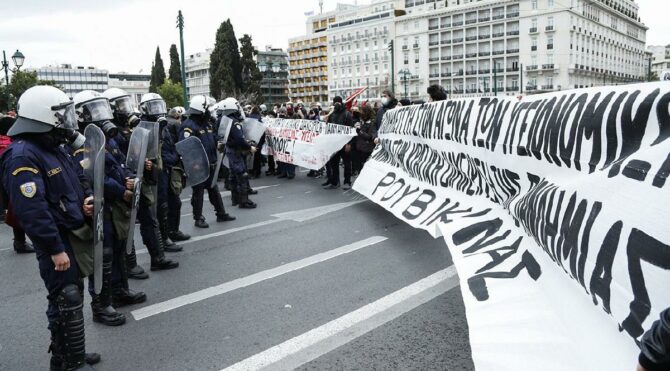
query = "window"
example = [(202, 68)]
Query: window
[(533, 44), (416, 25), (534, 23), (550, 3), (533, 4), (550, 22)]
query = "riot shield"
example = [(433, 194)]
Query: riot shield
[(194, 158), (225, 125), (137, 153), (152, 154), (94, 169), (253, 129)]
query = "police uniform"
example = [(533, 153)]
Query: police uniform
[(237, 149), (170, 183), (200, 127), (45, 187)]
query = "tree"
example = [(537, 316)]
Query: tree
[(175, 65), (225, 70), (653, 76), (251, 75), (157, 72), (171, 93)]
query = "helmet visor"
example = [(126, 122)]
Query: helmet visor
[(97, 110), (124, 105), (155, 107), (65, 115)]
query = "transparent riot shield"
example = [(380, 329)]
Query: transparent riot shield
[(137, 153), (152, 154), (194, 158), (253, 130), (94, 169), (225, 125)]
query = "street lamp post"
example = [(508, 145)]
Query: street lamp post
[(404, 77), (180, 25), (18, 58)]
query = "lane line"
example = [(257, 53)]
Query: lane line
[(227, 193), (311, 345), (220, 233), (207, 293)]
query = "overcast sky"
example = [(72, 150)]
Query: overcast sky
[(122, 35)]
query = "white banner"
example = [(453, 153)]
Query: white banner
[(305, 143), (554, 210)]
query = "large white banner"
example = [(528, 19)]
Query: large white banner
[(554, 209), (305, 143)]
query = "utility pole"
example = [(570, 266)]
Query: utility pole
[(649, 69), (520, 78), (392, 67), (5, 66), (495, 79), (403, 76), (180, 25)]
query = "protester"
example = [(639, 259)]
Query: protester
[(655, 345), (366, 134), (257, 162), (388, 102), (404, 103), (340, 116), (436, 93)]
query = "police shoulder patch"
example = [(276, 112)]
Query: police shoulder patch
[(28, 189), (187, 134), (25, 168)]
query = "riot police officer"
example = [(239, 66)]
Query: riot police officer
[(124, 119), (237, 149), (47, 190), (171, 179), (93, 109), (199, 125)]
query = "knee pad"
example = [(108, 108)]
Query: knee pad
[(70, 296)]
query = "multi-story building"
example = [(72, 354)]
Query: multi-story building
[(273, 64), (135, 84), (660, 59), (74, 79), (358, 54), (197, 73), (515, 46), (308, 59)]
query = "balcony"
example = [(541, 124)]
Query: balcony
[(549, 28), (433, 27), (484, 54), (513, 51), (512, 15), (498, 52), (498, 16), (532, 30), (484, 19), (498, 34), (405, 47), (445, 25), (513, 33), (445, 42), (471, 72), (433, 59), (470, 55), (484, 71), (432, 43), (532, 68), (512, 69), (549, 66), (470, 21), (458, 23), (415, 46), (512, 88), (458, 57), (434, 75), (533, 48), (457, 40), (445, 74), (531, 87), (483, 37), (471, 38), (459, 73), (550, 46), (457, 91), (446, 58), (547, 87)]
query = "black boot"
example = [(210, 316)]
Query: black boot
[(122, 296), (101, 305), (23, 247), (161, 264), (70, 342), (134, 270), (168, 246), (201, 223), (234, 197), (224, 218), (179, 236), (92, 358), (243, 193)]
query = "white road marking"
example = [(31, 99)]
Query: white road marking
[(207, 293), (306, 347), (227, 193)]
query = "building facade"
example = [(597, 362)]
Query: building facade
[(197, 73), (308, 59), (273, 64), (475, 48), (73, 80), (660, 59), (135, 84), (358, 54)]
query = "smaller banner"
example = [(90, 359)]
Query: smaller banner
[(305, 143)]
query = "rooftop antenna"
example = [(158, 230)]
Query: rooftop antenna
[(320, 6)]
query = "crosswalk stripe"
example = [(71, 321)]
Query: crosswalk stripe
[(311, 345), (209, 292)]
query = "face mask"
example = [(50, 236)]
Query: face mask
[(385, 101), (108, 128), (338, 107), (72, 137)]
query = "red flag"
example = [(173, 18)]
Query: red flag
[(349, 102)]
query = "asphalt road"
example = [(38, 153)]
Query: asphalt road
[(312, 279)]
